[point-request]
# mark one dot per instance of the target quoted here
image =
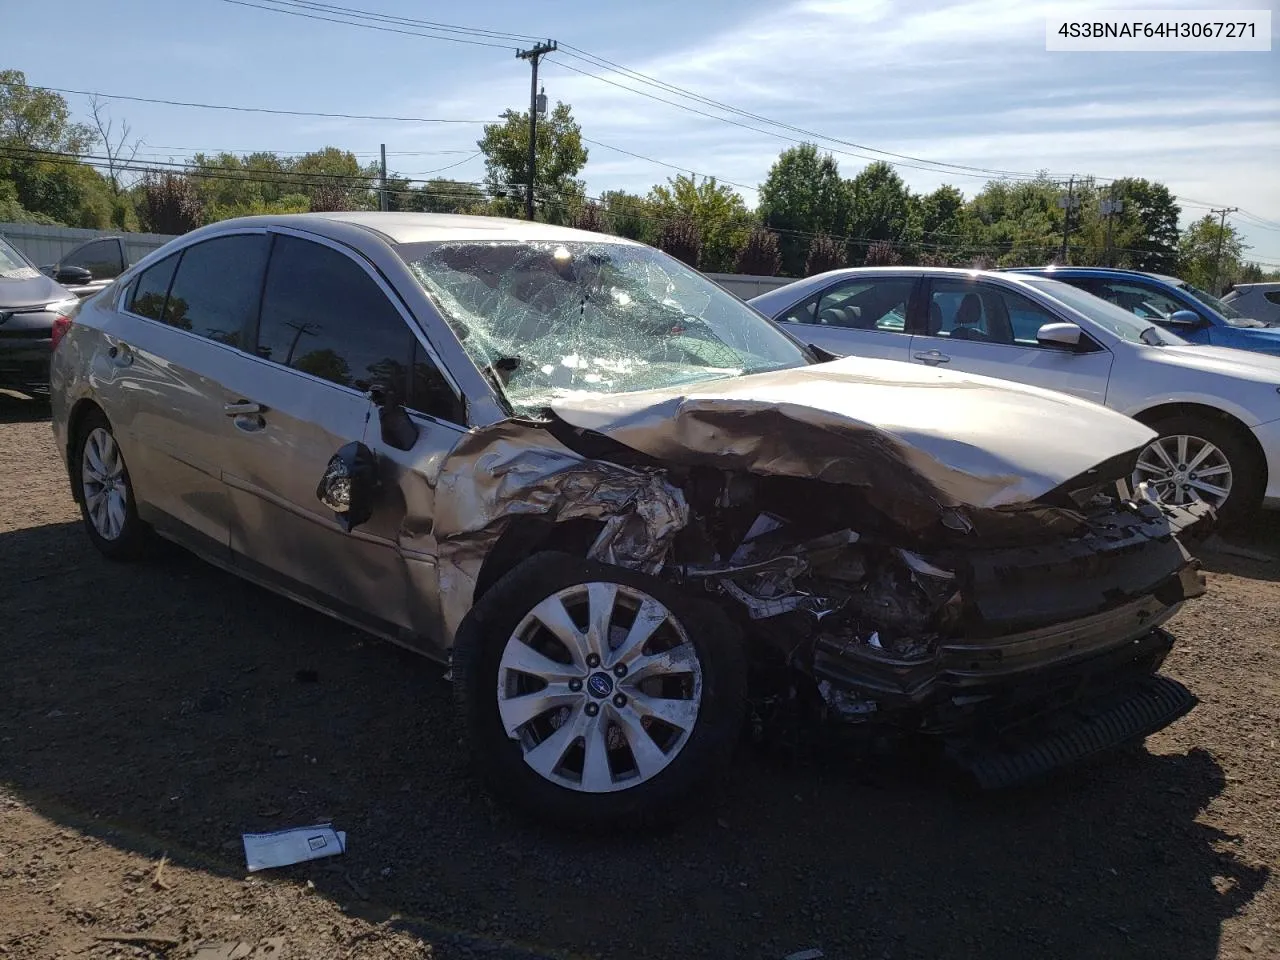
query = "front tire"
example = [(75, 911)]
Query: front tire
[(593, 695), (1199, 459), (102, 486)]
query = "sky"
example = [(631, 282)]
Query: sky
[(965, 83)]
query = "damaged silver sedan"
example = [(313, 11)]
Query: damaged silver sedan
[(625, 509)]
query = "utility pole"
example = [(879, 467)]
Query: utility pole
[(1067, 203), (383, 203), (1222, 232), (1109, 209), (533, 55)]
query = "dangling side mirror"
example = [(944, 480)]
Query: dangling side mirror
[(398, 430), (348, 485)]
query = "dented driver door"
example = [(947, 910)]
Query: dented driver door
[(329, 334)]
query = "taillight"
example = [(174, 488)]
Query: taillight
[(61, 324)]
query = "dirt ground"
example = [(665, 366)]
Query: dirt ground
[(158, 711)]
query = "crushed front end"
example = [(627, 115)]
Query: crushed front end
[(1023, 649)]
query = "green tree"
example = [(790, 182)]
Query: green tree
[(715, 209), (560, 157), (631, 215), (881, 209), (441, 195), (40, 149), (1146, 230), (1015, 224), (803, 195), (1209, 254), (942, 220)]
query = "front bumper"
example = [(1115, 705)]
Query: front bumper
[(1268, 436), (1040, 623), (24, 363)]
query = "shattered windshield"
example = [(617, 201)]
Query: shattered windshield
[(548, 320)]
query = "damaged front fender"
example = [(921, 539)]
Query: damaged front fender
[(517, 469)]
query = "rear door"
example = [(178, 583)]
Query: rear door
[(857, 316), (330, 328), (173, 346), (977, 326)]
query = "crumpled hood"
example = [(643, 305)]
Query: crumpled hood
[(899, 429)]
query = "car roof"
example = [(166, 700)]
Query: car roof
[(1050, 269), (398, 228), (797, 290)]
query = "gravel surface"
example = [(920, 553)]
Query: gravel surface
[(162, 709)]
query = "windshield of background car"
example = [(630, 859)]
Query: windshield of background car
[(11, 261), (1107, 315), (552, 319), (1213, 303)]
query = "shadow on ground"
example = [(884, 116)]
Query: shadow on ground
[(21, 409), (170, 706)]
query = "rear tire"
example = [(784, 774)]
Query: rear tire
[(1244, 476), (533, 744), (101, 485)]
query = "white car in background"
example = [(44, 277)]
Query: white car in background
[(1217, 411), (1258, 300)]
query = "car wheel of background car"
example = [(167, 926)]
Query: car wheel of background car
[(1196, 459), (594, 695), (105, 492)]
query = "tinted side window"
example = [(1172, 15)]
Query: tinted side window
[(1140, 300), (963, 310), (429, 391), (151, 288), (879, 304), (216, 289), (102, 258), (800, 313), (322, 314), (1273, 297)]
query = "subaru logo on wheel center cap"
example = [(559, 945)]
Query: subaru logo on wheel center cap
[(600, 685)]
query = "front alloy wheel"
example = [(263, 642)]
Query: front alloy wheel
[(597, 696), (600, 686)]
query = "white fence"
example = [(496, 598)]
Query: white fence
[(44, 244)]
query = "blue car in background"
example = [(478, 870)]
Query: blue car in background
[(1191, 313)]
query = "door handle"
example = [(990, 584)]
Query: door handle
[(242, 408), (933, 356)]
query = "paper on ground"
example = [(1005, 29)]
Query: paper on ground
[(283, 847)]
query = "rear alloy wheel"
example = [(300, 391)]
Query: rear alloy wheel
[(594, 695), (1198, 460), (105, 492)]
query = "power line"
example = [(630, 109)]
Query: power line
[(239, 109), (663, 163), (595, 60), (367, 26), (406, 21)]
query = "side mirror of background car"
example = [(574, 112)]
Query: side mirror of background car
[(398, 430), (1059, 335), (1184, 318), (348, 484), (73, 275)]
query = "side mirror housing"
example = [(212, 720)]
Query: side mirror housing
[(398, 430), (76, 276), (1060, 335), (348, 485), (1184, 318)]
